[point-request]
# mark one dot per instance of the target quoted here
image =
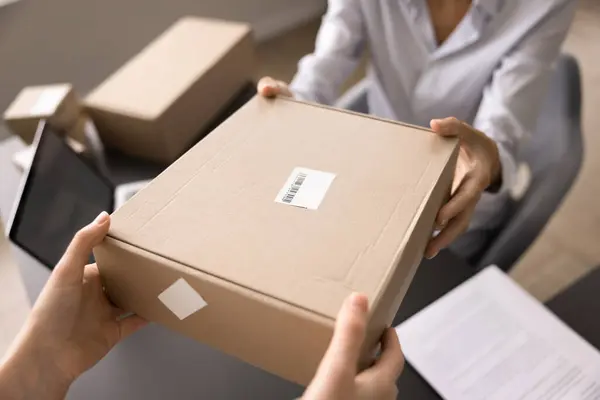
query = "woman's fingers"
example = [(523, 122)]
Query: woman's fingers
[(448, 127), (270, 87), (344, 349), (391, 362), (70, 268), (457, 226), (466, 195)]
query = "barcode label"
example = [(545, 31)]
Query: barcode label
[(293, 191), (305, 188)]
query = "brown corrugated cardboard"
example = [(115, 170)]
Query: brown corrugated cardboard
[(57, 103), (272, 276), (158, 103)]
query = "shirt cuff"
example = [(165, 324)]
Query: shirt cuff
[(509, 170)]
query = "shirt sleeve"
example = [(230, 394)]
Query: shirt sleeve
[(510, 104), (338, 48)]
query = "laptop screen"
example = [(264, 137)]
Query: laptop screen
[(61, 194)]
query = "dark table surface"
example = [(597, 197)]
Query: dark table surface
[(579, 307)]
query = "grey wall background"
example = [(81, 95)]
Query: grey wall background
[(83, 41)]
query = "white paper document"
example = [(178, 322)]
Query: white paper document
[(489, 339)]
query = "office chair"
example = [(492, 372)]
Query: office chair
[(554, 156)]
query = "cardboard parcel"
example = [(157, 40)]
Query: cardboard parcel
[(252, 240), (161, 101), (57, 103)]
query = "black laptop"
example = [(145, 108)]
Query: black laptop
[(60, 193)]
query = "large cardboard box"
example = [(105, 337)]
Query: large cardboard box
[(157, 104), (251, 241), (56, 103)]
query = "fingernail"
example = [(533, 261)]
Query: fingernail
[(431, 256), (359, 302), (101, 218)]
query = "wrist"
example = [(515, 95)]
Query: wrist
[(31, 372)]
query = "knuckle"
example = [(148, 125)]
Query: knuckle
[(80, 237)]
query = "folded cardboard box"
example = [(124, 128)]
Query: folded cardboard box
[(251, 241), (159, 102), (58, 104)]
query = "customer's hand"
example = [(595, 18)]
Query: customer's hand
[(269, 87), (72, 325), (338, 377), (477, 168)]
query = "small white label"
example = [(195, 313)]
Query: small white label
[(305, 188), (48, 101), (182, 299)]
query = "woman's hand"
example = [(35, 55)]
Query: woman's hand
[(478, 167), (269, 87), (338, 377), (71, 327)]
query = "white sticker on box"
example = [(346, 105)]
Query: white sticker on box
[(49, 101), (182, 299), (305, 188)]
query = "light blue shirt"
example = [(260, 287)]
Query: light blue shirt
[(491, 72)]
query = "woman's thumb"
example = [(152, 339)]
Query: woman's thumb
[(78, 252)]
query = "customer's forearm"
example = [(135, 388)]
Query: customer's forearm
[(26, 374)]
